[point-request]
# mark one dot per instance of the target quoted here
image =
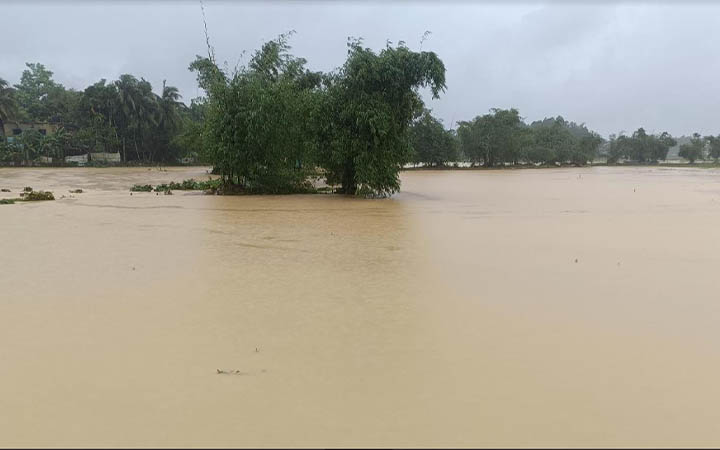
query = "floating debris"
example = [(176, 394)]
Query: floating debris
[(76, 191), (231, 372), (4, 190)]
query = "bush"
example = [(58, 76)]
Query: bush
[(38, 196)]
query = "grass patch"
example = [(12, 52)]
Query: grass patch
[(7, 201)]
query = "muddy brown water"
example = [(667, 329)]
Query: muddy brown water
[(571, 307)]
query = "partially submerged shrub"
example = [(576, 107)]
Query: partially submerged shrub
[(27, 189), (7, 201), (4, 190), (76, 191), (185, 185), (38, 196), (141, 188)]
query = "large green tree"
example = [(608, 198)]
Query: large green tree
[(365, 116), (35, 90)]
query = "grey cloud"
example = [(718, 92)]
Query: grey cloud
[(614, 66)]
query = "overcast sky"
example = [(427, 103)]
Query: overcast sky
[(615, 66)]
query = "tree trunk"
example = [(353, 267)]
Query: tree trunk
[(349, 184)]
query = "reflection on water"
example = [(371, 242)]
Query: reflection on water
[(571, 307)]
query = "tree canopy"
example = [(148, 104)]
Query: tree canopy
[(273, 123), (123, 116)]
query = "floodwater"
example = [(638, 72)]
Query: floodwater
[(551, 307)]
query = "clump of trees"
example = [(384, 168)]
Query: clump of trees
[(273, 123), (502, 137), (640, 147), (693, 150), (124, 116)]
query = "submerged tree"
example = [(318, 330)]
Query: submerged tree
[(271, 124), (366, 112), (258, 127)]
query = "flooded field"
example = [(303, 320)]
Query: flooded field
[(570, 307)]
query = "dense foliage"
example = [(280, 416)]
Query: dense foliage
[(257, 131), (693, 150), (366, 113), (501, 137), (432, 144), (640, 147), (272, 124), (123, 116)]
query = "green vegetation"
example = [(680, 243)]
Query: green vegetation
[(28, 195), (501, 138), (38, 196), (273, 124), (432, 144), (141, 188), (640, 147), (693, 150), (185, 185), (124, 116)]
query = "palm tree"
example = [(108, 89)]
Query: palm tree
[(8, 104), (169, 107), (138, 109), (168, 115)]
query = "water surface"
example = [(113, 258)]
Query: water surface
[(571, 307)]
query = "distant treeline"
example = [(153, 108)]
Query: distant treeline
[(501, 138), (123, 116)]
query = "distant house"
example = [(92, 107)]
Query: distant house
[(12, 130)]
